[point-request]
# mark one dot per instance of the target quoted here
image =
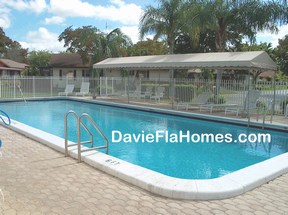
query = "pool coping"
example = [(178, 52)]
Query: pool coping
[(229, 185)]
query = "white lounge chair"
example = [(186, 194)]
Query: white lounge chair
[(158, 94), (84, 90), (68, 90), (250, 103), (211, 106), (201, 99)]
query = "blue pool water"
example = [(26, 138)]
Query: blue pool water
[(182, 160)]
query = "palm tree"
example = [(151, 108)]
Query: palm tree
[(242, 17), (165, 21), (114, 44), (239, 17)]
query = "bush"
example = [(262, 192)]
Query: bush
[(261, 105), (217, 99)]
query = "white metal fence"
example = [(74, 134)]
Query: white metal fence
[(148, 90)]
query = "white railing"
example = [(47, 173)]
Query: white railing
[(129, 89)]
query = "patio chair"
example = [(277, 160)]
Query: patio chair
[(147, 93), (84, 90), (201, 99), (136, 93), (158, 94), (68, 90), (250, 103)]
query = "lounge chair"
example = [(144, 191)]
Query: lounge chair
[(201, 99), (68, 90), (250, 103), (211, 106), (158, 94), (84, 90)]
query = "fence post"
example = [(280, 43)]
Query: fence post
[(51, 86), (33, 86), (100, 85), (106, 85), (112, 83), (14, 86)]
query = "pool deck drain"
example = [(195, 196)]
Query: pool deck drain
[(35, 179)]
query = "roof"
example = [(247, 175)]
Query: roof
[(67, 60), (214, 60), (11, 65)]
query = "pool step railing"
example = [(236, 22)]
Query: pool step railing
[(265, 111), (79, 143)]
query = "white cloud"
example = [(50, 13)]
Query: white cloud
[(4, 18), (6, 6), (132, 32), (273, 38), (119, 3), (36, 6), (42, 39), (54, 20), (119, 11)]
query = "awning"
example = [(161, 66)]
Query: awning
[(215, 60)]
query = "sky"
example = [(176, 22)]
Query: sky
[(36, 24)]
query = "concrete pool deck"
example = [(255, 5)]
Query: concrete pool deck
[(35, 179)]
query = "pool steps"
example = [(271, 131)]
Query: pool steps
[(79, 142)]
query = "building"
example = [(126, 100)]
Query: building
[(67, 65), (11, 68)]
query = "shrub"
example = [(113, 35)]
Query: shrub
[(217, 99), (261, 105)]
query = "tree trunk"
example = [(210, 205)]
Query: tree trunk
[(220, 42), (171, 43)]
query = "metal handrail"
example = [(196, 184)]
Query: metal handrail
[(85, 115), (66, 129), (78, 128), (8, 118), (270, 106), (79, 143)]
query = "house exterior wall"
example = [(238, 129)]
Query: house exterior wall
[(66, 74), (112, 73), (158, 74), (6, 73), (152, 74)]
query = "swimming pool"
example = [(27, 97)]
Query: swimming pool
[(179, 160)]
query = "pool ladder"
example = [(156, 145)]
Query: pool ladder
[(266, 110), (79, 142)]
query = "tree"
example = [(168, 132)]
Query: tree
[(148, 47), (282, 55), (205, 43), (36, 60), (165, 22), (94, 45), (240, 17), (11, 49)]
